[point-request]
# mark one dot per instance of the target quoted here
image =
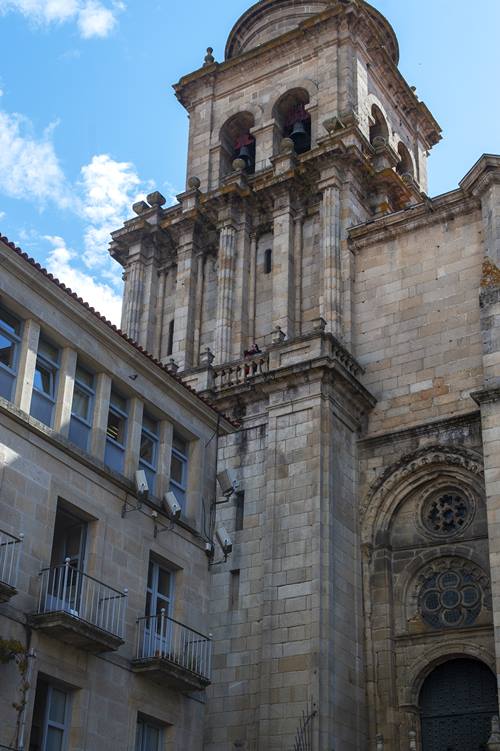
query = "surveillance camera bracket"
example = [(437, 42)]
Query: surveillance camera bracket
[(127, 508), (159, 528)]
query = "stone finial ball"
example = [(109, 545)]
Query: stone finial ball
[(239, 165), (194, 183), (287, 146)]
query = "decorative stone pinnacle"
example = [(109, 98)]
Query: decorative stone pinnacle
[(140, 207), (207, 357), (172, 365), (209, 58), (156, 199), (279, 335), (194, 183)]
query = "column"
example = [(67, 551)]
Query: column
[(66, 385), (27, 364), (200, 281), (330, 293), (185, 298), (252, 300), (242, 283), (131, 299), (283, 266), (134, 430), (100, 416), (164, 457), (141, 293), (225, 279)]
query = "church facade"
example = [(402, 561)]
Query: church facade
[(308, 285)]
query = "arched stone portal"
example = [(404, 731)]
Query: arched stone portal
[(457, 702)]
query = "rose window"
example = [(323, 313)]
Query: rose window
[(447, 514), (451, 598)]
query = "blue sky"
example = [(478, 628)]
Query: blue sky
[(88, 119)]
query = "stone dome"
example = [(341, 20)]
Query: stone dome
[(269, 19)]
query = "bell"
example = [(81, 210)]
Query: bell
[(245, 154), (300, 137)]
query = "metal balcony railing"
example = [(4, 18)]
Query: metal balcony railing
[(304, 736), (65, 589), (10, 547), (162, 638), (238, 373)]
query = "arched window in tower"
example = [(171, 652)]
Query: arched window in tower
[(293, 120), (268, 261), (405, 164), (378, 127), (237, 142)]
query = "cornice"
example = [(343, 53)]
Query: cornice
[(482, 175)]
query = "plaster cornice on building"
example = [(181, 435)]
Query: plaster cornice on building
[(106, 329), (484, 172)]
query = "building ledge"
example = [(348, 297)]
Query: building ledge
[(73, 630), (165, 672)]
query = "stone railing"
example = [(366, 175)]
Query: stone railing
[(238, 373)]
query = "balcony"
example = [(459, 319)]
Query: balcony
[(172, 654), (10, 548), (80, 610)]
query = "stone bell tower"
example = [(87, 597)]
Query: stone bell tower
[(246, 285)]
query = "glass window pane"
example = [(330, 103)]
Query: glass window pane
[(150, 574), (79, 433), (114, 456), (152, 738), (55, 738), (81, 404), (177, 470), (44, 379), (9, 322), (6, 384), (164, 582), (150, 424), (42, 408), (116, 428), (180, 444), (147, 451), (84, 377), (118, 401), (7, 351), (138, 737), (48, 350), (57, 709)]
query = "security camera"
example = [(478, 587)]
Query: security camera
[(224, 541), (171, 506), (141, 484), (228, 482)]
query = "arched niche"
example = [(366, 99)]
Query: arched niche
[(378, 125), (236, 141), (405, 165), (292, 119)]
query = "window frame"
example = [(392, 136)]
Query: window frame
[(53, 367), (16, 339), (140, 739), (150, 469), (182, 487), (47, 722), (153, 591), (90, 392)]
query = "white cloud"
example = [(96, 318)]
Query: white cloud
[(29, 167), (2, 215), (93, 18), (99, 295)]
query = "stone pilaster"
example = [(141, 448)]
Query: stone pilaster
[(225, 282), (64, 400), (185, 296), (141, 293), (330, 295), (242, 283), (283, 304), (27, 364)]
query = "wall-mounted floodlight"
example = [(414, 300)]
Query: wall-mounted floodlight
[(141, 484), (171, 506), (224, 541), (228, 482)]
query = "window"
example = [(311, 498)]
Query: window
[(170, 345), (10, 337), (159, 590), (83, 406), (45, 382), (179, 469), (51, 718), (148, 457), (239, 519), (116, 433), (268, 261), (149, 736), (64, 588)]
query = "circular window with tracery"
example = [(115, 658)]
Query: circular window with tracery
[(447, 514), (452, 597)]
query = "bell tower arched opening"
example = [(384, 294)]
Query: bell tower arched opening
[(293, 119), (237, 142), (457, 703)]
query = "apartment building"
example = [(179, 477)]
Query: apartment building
[(103, 577)]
